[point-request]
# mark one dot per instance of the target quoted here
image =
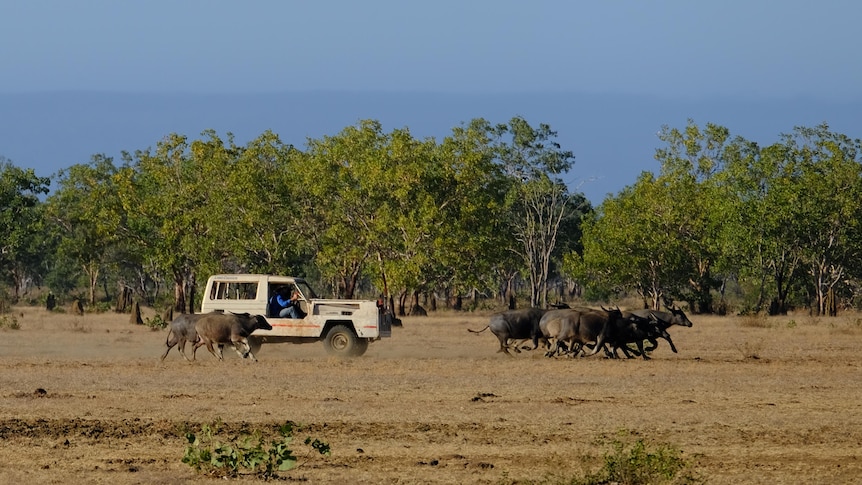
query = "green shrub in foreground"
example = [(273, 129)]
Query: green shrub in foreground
[(630, 463), (244, 455), (637, 463), (156, 323)]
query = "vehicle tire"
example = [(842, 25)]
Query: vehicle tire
[(342, 342), (361, 347)]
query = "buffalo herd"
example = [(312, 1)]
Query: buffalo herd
[(585, 331), (214, 330), (562, 331)]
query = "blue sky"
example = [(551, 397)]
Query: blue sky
[(680, 51), (668, 48)]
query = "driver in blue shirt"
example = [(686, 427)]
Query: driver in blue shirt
[(286, 304)]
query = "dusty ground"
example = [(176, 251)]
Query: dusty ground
[(779, 402)]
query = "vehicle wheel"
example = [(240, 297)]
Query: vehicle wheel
[(361, 347), (342, 342)]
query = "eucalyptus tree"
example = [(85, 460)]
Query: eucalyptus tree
[(799, 211), (765, 240), (475, 241), (252, 207), (543, 206), (628, 242), (539, 202), (413, 216), (663, 235), (690, 163), (830, 204), (166, 195), (21, 248), (373, 203), (342, 200), (86, 208)]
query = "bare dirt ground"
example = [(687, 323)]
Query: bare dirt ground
[(84, 399)]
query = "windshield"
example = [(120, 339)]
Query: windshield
[(307, 292)]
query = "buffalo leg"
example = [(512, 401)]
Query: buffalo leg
[(504, 345), (640, 345), (629, 352), (667, 337), (243, 343), (181, 346), (169, 342), (600, 342), (218, 354)]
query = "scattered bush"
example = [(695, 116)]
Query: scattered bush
[(156, 323), (244, 455), (101, 307), (754, 320), (639, 463), (629, 463), (10, 322)]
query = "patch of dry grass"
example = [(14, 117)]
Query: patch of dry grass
[(757, 403), (754, 320), (751, 350)]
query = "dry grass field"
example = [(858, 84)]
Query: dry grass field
[(84, 399)]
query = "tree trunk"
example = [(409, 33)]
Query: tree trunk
[(510, 292), (349, 280), (415, 308), (402, 303), (831, 303), (92, 272), (124, 299), (179, 292), (105, 287), (192, 288)]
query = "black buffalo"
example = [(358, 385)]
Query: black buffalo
[(182, 330), (664, 320), (228, 328), (634, 329), (514, 327), (574, 328)]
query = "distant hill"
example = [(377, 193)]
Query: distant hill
[(613, 136)]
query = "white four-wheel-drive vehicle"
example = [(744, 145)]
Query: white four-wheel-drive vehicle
[(345, 327)]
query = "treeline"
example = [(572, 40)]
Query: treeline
[(384, 213), (778, 226), (726, 223)]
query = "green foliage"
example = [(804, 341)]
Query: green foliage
[(22, 241), (642, 463), (631, 462), (101, 307), (540, 213), (246, 454), (86, 210), (9, 322), (156, 322), (485, 208)]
